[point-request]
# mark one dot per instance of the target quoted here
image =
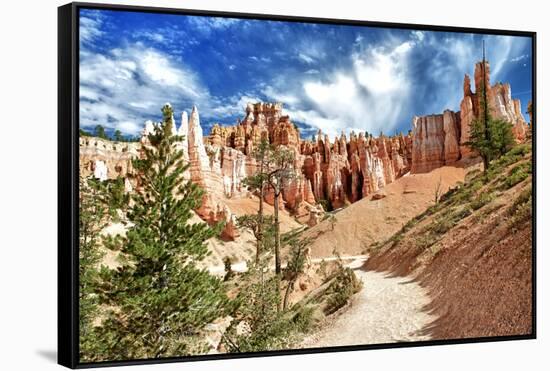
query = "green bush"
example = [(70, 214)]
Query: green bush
[(481, 200), (448, 220), (517, 175), (341, 289), (521, 210), (425, 240), (304, 319)]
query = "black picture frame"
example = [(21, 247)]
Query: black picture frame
[(68, 172)]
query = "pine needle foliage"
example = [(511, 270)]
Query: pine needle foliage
[(159, 300)]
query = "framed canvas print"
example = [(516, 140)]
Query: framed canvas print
[(236, 185)]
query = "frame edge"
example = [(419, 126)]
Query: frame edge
[(67, 289)]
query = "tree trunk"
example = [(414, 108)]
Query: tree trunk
[(485, 163), (287, 294), (259, 240), (277, 247), (277, 234)]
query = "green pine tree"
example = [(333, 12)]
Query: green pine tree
[(160, 301), (93, 217), (281, 170), (296, 262), (257, 183), (99, 132), (489, 137), (257, 324), (118, 136)]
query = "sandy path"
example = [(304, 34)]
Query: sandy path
[(386, 310)]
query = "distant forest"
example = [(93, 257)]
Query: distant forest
[(117, 136)]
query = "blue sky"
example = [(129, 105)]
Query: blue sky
[(329, 77)]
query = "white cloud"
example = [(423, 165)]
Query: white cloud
[(232, 67), (370, 96), (207, 24), (519, 58), (129, 127), (419, 35), (90, 26), (126, 84), (275, 95), (149, 35), (234, 106), (305, 58)]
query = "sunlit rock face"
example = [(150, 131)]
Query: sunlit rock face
[(435, 141), (105, 159)]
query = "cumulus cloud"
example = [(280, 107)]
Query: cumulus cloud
[(368, 95), (233, 106), (519, 58), (305, 58), (90, 26), (119, 88), (206, 25)]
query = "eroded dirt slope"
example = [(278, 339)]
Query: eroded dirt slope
[(367, 221), (472, 252)]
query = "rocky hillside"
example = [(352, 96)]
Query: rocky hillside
[(472, 251)]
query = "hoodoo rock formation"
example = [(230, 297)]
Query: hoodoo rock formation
[(331, 173), (442, 139), (339, 172)]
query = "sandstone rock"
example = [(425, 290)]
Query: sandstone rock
[(230, 231), (233, 169), (435, 141), (467, 116), (378, 196), (127, 185), (198, 159), (315, 215), (356, 178), (428, 143), (115, 156), (285, 133), (335, 181), (100, 170), (183, 131), (387, 166), (149, 128), (451, 127)]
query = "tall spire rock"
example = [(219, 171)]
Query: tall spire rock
[(183, 131), (149, 128), (184, 126), (197, 153)]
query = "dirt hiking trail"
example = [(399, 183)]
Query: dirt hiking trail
[(386, 310)]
